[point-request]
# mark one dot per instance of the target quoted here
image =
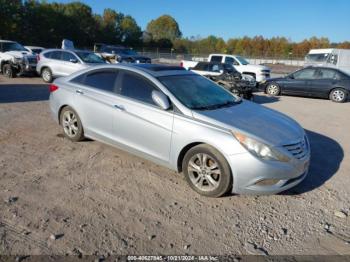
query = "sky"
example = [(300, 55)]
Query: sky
[(294, 19)]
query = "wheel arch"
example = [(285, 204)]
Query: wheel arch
[(183, 152)]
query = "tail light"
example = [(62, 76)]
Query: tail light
[(53, 88), (182, 64), (38, 57)]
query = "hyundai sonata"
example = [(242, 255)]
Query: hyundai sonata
[(185, 122)]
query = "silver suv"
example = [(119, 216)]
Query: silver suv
[(54, 63)]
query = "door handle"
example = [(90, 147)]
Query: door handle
[(119, 107), (80, 92)]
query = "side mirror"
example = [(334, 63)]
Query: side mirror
[(291, 76), (73, 61), (160, 99)]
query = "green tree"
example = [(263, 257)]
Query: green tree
[(130, 32), (10, 18), (164, 27)]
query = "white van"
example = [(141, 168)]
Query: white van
[(330, 57)]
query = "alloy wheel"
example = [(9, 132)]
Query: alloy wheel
[(70, 123), (46, 75), (204, 172)]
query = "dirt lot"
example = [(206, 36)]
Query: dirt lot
[(59, 197)]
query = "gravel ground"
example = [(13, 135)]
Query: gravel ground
[(59, 197)]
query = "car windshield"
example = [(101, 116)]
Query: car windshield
[(12, 46), (197, 92), (89, 57), (242, 60), (317, 57)]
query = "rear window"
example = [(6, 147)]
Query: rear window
[(201, 66), (55, 55), (216, 58), (102, 80)]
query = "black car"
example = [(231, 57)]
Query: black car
[(121, 54), (323, 82)]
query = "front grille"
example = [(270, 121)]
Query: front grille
[(298, 150)]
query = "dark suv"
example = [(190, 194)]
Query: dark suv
[(120, 54)]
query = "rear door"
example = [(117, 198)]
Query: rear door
[(325, 78), (95, 96), (298, 82), (56, 64), (141, 124)]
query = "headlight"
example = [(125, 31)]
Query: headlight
[(259, 149)]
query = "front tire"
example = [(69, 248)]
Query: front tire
[(273, 89), (8, 71), (207, 171), (338, 95), (46, 75), (71, 124)]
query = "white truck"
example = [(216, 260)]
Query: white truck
[(329, 57), (15, 59), (259, 72)]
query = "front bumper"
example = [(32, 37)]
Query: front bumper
[(250, 173), (261, 77)]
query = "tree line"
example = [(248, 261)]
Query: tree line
[(33, 22)]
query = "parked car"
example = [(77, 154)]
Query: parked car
[(186, 122), (15, 59), (54, 63), (329, 57), (35, 50), (227, 76), (259, 72), (320, 82), (120, 54)]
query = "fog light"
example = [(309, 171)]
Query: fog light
[(267, 182)]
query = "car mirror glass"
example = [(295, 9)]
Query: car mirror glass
[(160, 99)]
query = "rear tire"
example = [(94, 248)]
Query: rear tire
[(46, 75), (71, 124), (8, 71), (273, 89), (338, 95), (207, 171)]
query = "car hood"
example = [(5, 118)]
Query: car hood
[(20, 54), (256, 67), (259, 122)]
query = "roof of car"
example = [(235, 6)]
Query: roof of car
[(7, 41), (158, 70), (69, 50)]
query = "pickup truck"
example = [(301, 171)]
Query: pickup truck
[(15, 59), (228, 77), (259, 72)]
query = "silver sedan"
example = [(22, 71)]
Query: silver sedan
[(185, 122)]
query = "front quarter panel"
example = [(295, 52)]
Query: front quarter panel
[(187, 131)]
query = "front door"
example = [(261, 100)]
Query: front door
[(141, 124), (297, 83)]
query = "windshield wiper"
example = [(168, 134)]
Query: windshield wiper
[(212, 107)]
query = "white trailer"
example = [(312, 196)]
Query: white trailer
[(329, 57)]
